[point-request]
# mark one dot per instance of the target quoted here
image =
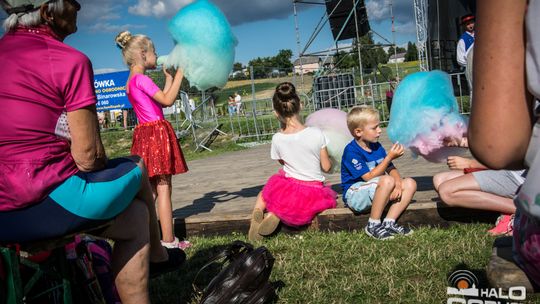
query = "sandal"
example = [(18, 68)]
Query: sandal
[(269, 224), (256, 218)]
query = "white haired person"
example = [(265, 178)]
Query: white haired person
[(51, 185)]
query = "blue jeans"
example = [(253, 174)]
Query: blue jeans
[(232, 109)]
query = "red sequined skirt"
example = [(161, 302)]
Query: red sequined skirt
[(156, 143)]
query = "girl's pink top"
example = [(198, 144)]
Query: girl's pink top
[(141, 90)]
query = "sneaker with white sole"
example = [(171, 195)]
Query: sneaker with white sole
[(394, 228), (176, 243), (503, 226), (377, 231)]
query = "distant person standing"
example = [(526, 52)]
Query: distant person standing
[(238, 101), (466, 41), (465, 48), (231, 105)]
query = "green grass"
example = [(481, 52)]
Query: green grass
[(350, 267), (118, 143), (244, 90)]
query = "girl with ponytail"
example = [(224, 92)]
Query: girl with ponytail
[(297, 192), (154, 138)]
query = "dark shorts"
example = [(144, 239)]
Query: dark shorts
[(85, 200)]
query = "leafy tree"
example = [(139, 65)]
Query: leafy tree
[(264, 66), (345, 60), (259, 66), (282, 60), (237, 66), (412, 52)]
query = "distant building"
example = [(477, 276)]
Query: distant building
[(397, 58), (310, 64)]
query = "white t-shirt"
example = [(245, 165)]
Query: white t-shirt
[(301, 153), (238, 99), (461, 55)]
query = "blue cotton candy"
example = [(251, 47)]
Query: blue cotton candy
[(205, 45), (425, 112)]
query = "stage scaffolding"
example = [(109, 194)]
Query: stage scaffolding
[(303, 52), (421, 18)]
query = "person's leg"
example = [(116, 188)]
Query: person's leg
[(440, 178), (464, 191), (375, 228), (257, 217), (408, 188), (157, 252), (131, 252), (270, 221), (385, 186), (164, 206), (407, 193)]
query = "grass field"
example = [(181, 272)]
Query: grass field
[(118, 143), (350, 267)]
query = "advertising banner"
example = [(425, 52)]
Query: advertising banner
[(111, 91)]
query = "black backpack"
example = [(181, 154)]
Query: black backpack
[(243, 280)]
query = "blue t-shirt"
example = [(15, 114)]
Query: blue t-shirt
[(356, 162)]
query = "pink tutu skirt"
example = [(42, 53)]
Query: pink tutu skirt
[(297, 202)]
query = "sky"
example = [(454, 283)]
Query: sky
[(262, 27)]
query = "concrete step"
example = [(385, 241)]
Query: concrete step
[(502, 272)]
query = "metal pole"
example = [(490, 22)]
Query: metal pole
[(358, 47), (394, 38), (253, 105), (299, 49)]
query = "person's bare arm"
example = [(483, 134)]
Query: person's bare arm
[(395, 151), (168, 79), (501, 116), (167, 97), (86, 147), (326, 163)]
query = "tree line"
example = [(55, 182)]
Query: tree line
[(372, 55)]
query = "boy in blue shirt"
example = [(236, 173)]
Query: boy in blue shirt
[(369, 178)]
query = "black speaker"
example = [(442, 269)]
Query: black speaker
[(334, 91), (444, 30), (338, 18)]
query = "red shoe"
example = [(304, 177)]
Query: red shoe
[(503, 226)]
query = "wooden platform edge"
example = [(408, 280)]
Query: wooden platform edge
[(418, 214)]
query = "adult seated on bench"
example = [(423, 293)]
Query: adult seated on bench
[(470, 185), (50, 186)]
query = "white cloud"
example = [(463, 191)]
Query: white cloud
[(106, 70), (407, 28), (378, 10), (403, 11), (99, 10), (236, 11), (104, 27), (157, 8)]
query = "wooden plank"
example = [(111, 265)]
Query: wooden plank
[(418, 214)]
